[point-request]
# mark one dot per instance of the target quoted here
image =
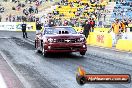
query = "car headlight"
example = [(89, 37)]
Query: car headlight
[(84, 46), (54, 40), (50, 40)]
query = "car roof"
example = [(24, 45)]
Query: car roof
[(58, 27)]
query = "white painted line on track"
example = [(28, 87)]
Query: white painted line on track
[(2, 82), (18, 74), (5, 37)]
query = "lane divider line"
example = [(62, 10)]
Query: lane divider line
[(17, 73), (2, 82), (5, 37)]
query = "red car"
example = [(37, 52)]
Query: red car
[(60, 39)]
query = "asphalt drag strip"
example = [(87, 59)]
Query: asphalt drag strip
[(58, 70), (8, 78)]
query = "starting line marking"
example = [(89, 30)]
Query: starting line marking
[(2, 82)]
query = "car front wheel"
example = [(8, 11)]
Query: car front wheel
[(45, 54), (82, 53)]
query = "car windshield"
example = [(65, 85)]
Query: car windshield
[(59, 30)]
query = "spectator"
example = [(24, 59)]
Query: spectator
[(37, 3), (2, 9), (13, 18), (51, 23), (92, 23), (87, 28), (6, 18), (100, 24), (10, 17), (24, 25), (116, 29), (13, 8), (38, 27), (30, 1), (46, 24), (123, 26), (36, 10), (30, 9), (65, 23), (104, 17)]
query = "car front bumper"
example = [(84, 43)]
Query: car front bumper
[(65, 47)]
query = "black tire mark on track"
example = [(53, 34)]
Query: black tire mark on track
[(23, 43)]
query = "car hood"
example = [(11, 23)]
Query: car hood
[(64, 36)]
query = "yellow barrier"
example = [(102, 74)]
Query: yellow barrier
[(91, 39), (100, 39), (122, 44)]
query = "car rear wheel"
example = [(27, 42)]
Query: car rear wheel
[(82, 53), (35, 43), (39, 49)]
